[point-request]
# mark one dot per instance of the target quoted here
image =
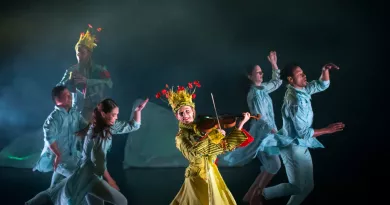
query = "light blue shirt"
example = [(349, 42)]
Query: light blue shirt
[(102, 146), (60, 127), (259, 101), (73, 189), (297, 113)]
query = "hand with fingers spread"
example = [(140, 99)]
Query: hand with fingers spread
[(138, 109), (273, 59), (332, 128), (142, 105), (335, 127)]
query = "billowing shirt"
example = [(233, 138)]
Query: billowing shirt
[(259, 102), (297, 113)]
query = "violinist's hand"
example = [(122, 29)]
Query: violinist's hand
[(247, 116), (243, 121), (223, 132)]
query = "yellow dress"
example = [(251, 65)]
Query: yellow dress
[(203, 184)]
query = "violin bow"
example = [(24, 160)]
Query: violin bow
[(215, 109)]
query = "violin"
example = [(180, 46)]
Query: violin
[(206, 123)]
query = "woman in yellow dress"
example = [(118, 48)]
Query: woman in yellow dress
[(203, 184)]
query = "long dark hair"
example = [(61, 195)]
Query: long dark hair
[(100, 127)]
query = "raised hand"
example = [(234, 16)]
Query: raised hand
[(330, 66), (142, 105), (273, 59)]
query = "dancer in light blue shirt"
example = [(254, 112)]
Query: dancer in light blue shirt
[(266, 144), (88, 178), (62, 150), (297, 126), (89, 82)]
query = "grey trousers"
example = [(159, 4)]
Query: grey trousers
[(299, 168)]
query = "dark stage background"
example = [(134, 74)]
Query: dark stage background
[(149, 43)]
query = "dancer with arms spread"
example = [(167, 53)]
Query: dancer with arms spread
[(297, 116), (60, 153)]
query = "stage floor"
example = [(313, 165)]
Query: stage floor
[(159, 186), (155, 186), (140, 186)]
